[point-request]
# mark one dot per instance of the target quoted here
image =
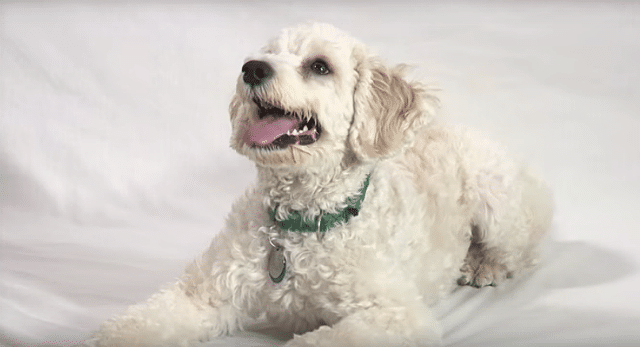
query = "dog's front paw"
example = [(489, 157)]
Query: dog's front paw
[(361, 331), (323, 336)]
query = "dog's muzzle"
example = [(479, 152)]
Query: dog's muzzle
[(276, 127)]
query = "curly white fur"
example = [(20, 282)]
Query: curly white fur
[(443, 205)]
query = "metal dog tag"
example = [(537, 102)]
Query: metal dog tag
[(277, 264)]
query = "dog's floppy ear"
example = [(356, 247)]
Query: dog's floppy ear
[(387, 110)]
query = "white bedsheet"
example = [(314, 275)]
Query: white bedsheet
[(115, 169)]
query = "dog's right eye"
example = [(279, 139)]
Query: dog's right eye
[(320, 67)]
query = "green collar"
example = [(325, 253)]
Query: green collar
[(324, 221)]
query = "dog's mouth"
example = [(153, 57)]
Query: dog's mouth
[(277, 128)]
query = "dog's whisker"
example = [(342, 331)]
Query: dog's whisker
[(301, 149), (293, 156)]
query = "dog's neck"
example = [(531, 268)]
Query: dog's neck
[(311, 191)]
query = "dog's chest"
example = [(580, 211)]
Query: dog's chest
[(342, 268)]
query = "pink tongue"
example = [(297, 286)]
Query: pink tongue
[(267, 130)]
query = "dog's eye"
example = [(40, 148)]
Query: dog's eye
[(320, 67)]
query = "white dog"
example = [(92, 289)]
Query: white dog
[(365, 211)]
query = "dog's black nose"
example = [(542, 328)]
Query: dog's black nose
[(256, 72)]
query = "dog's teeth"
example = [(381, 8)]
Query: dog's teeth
[(294, 132), (289, 132), (305, 129)]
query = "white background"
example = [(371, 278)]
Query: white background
[(115, 168)]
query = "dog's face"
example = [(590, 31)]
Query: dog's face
[(314, 97)]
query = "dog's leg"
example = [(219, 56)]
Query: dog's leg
[(209, 300), (201, 305), (376, 326), (171, 317), (507, 231)]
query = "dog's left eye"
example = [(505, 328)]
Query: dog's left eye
[(320, 67)]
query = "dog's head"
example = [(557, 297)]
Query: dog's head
[(315, 96)]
